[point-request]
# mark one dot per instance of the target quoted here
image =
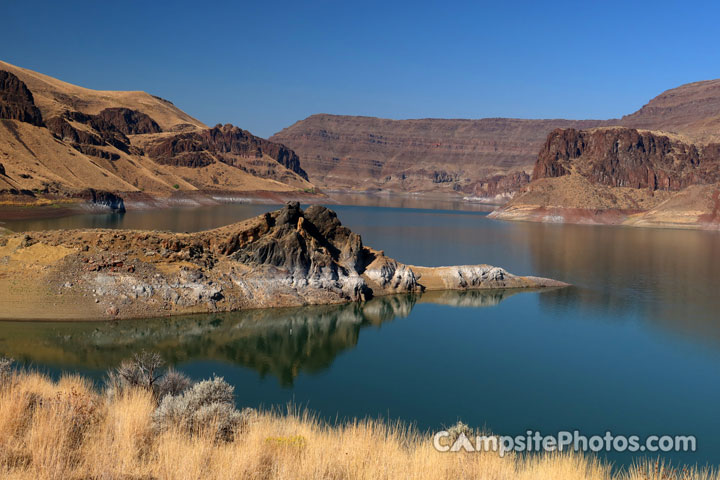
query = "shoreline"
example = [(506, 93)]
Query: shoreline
[(58, 207), (614, 218)]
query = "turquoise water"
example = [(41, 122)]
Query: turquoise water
[(633, 347)]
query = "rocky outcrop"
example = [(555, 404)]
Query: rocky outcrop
[(425, 155), (620, 176), (98, 132), (2, 170), (105, 200), (16, 101), (224, 143), (498, 188), (284, 258), (127, 121), (623, 157)]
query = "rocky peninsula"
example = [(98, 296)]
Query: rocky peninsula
[(288, 257)]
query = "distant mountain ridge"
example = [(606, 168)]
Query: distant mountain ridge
[(480, 158)]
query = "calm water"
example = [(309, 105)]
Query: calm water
[(633, 347)]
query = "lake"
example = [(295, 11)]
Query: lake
[(633, 347)]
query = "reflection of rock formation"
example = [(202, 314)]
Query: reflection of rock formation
[(468, 298), (279, 342)]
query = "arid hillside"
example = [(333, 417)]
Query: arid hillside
[(691, 110), (59, 140)]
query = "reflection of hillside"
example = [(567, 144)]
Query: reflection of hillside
[(279, 342), (667, 276)]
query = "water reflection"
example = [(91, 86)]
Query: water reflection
[(408, 201), (665, 277), (277, 342)]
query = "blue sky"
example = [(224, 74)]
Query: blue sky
[(265, 65)]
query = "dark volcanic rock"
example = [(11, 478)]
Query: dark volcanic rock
[(2, 169), (311, 244), (129, 122), (107, 128), (16, 101), (623, 157), (223, 142), (103, 199), (96, 152), (62, 130)]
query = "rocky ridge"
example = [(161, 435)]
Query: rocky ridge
[(289, 257), (16, 101)]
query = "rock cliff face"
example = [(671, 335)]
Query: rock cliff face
[(16, 101), (108, 128), (621, 176), (103, 200), (226, 143), (284, 258), (622, 157), (127, 121), (428, 155)]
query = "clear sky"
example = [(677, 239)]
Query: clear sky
[(265, 65)]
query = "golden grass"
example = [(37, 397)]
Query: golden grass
[(66, 430)]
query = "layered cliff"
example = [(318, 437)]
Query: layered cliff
[(58, 140), (284, 258), (460, 157)]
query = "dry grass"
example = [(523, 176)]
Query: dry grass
[(66, 430)]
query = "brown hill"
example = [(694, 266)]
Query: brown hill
[(57, 140), (469, 157), (692, 110)]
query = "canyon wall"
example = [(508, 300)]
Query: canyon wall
[(461, 157)]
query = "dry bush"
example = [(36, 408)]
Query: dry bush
[(6, 370), (144, 371), (207, 404)]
